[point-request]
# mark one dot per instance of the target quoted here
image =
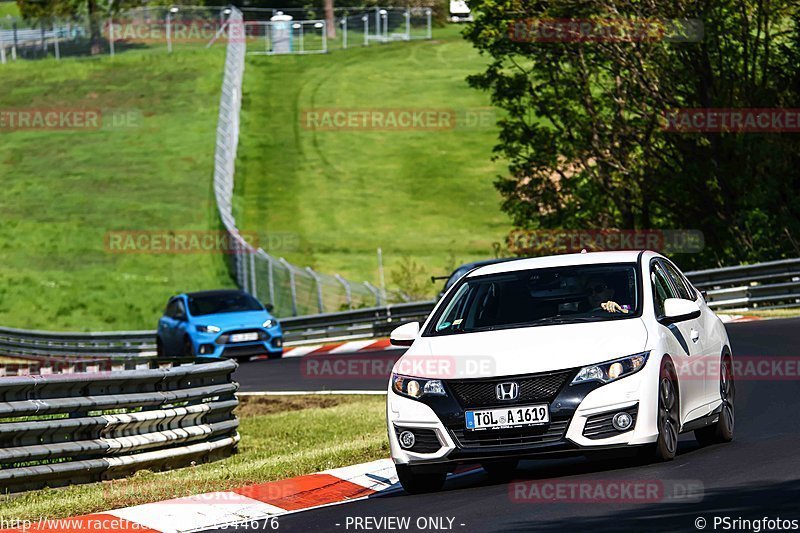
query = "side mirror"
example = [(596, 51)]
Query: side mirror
[(678, 310), (269, 308), (404, 335)]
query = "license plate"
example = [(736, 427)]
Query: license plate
[(508, 417), (244, 337)]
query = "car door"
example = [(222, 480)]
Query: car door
[(683, 351), (709, 345)]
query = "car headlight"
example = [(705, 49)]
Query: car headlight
[(417, 387), (611, 370), (268, 323), (208, 329)]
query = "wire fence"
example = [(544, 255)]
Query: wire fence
[(267, 31), (292, 290)]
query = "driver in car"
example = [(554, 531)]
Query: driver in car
[(600, 296)]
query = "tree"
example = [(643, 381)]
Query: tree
[(584, 127)]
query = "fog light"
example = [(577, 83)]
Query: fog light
[(622, 421), (407, 439)]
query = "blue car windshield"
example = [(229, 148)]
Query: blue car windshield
[(570, 294), (222, 303)]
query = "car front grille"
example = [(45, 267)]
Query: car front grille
[(532, 388), (243, 351), (549, 433), (225, 337)]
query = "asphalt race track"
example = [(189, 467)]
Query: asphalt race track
[(358, 371), (757, 476)]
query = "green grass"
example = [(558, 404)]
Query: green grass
[(313, 434), (421, 195), (63, 190), (9, 9)]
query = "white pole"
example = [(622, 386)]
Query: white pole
[(3, 54), (365, 18), (428, 14), (408, 24), (169, 33), (111, 36), (344, 32)]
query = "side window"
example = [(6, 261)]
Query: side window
[(661, 287), (172, 308), (180, 310), (684, 290)]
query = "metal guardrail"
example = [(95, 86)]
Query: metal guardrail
[(775, 284), (78, 428), (769, 285)]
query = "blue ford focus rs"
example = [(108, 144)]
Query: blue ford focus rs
[(221, 323)]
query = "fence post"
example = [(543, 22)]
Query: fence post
[(374, 290), (347, 294), (57, 47), (407, 14), (365, 18), (2, 54), (344, 32), (319, 288), (271, 282), (252, 271), (292, 285)]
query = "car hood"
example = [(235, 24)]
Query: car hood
[(522, 350), (239, 319)]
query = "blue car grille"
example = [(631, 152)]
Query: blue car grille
[(262, 335)]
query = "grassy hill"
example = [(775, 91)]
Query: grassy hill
[(421, 195), (63, 190), (326, 199)]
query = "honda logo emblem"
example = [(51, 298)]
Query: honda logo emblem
[(507, 391)]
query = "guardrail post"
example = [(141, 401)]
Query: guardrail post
[(347, 294), (319, 288), (428, 16)]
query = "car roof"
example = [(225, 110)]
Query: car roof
[(217, 292), (589, 258)]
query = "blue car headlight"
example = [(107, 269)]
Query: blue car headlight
[(417, 387), (208, 329), (611, 370)]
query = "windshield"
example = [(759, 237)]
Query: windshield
[(585, 293), (222, 303)]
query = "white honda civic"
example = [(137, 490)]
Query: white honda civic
[(558, 355)]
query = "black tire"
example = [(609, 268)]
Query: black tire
[(501, 470), (159, 347), (668, 413), (188, 349), (722, 431), (415, 482)]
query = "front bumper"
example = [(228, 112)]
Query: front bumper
[(570, 410), (217, 345)]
